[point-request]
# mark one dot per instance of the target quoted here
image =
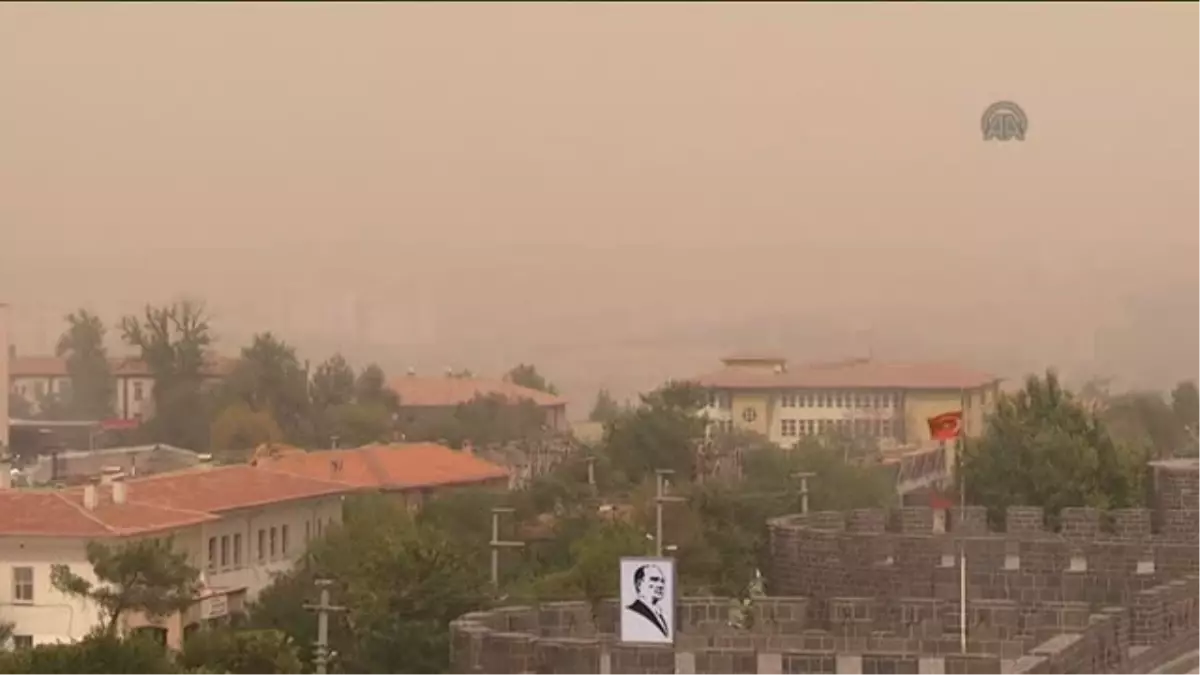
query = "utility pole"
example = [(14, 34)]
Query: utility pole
[(591, 467), (496, 544), (323, 608), (803, 476), (660, 498)]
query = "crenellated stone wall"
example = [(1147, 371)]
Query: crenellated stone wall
[(870, 591)]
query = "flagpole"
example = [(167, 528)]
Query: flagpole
[(962, 548)]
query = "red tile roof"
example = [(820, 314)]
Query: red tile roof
[(853, 374), (396, 467), (421, 391), (154, 503), (125, 366)]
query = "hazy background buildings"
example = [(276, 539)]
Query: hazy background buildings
[(619, 193)]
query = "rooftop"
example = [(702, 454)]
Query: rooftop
[(122, 366), (154, 503), (850, 374), (396, 467), (419, 391)]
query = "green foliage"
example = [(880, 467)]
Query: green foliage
[(659, 434), (527, 375), (1041, 448), (605, 409), (837, 485), (224, 650), (92, 384), (269, 378), (371, 389), (333, 383), (19, 407), (145, 575), (1185, 402), (238, 427), (356, 425), (596, 555), (402, 581), (483, 420), (1144, 420), (100, 652), (173, 340)]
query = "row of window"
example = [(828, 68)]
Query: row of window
[(875, 428), (838, 399), (64, 389), (225, 552)]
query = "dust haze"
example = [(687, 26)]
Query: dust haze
[(617, 193)]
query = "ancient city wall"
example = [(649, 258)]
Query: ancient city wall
[(871, 591)]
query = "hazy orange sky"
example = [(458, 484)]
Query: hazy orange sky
[(619, 192)]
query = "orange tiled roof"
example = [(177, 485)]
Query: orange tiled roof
[(122, 366), (397, 467), (853, 374), (154, 503), (418, 391)]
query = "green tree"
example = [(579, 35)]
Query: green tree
[(333, 383), (355, 425), (19, 407), (145, 575), (238, 428), (1185, 401), (371, 389), (661, 433), (1144, 420), (92, 385), (1042, 448), (596, 555), (6, 633), (99, 652), (402, 582), (605, 409), (269, 378), (526, 375), (224, 650), (173, 341)]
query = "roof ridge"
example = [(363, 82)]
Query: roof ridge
[(270, 467), (375, 466), (86, 513)]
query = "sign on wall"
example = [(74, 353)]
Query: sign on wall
[(648, 600)]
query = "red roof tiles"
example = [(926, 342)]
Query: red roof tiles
[(154, 503), (420, 391), (396, 467), (854, 374)]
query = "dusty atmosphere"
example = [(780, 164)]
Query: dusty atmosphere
[(617, 193)]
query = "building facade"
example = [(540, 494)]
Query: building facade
[(35, 377), (238, 525), (859, 398), (425, 399)]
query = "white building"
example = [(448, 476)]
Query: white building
[(34, 377), (238, 524)]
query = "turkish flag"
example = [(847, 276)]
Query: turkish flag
[(945, 427)]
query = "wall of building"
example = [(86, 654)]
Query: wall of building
[(760, 404), (51, 616)]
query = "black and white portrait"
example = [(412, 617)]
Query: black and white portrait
[(647, 600)]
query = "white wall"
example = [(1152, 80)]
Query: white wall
[(52, 616)]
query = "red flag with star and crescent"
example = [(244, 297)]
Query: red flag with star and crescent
[(945, 427)]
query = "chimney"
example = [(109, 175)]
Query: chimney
[(89, 497), (108, 473), (412, 371), (468, 447), (120, 490), (204, 461)]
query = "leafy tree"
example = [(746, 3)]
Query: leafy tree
[(173, 340), (596, 555), (145, 575), (497, 419), (269, 378), (1144, 420), (605, 409), (99, 652), (527, 375), (403, 582), (92, 385), (333, 383), (237, 427), (1186, 404), (6, 632), (19, 407), (225, 650), (355, 425), (1042, 448), (659, 434), (371, 388)]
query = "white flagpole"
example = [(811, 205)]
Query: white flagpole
[(962, 554)]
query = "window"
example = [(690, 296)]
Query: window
[(885, 428), (262, 545), (212, 553), (237, 550), (788, 428), (273, 541), (39, 389), (283, 539), (22, 584), (64, 388), (22, 641), (801, 400), (787, 401), (224, 551), (137, 391)]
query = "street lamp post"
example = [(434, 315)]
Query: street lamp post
[(496, 544), (661, 498)]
